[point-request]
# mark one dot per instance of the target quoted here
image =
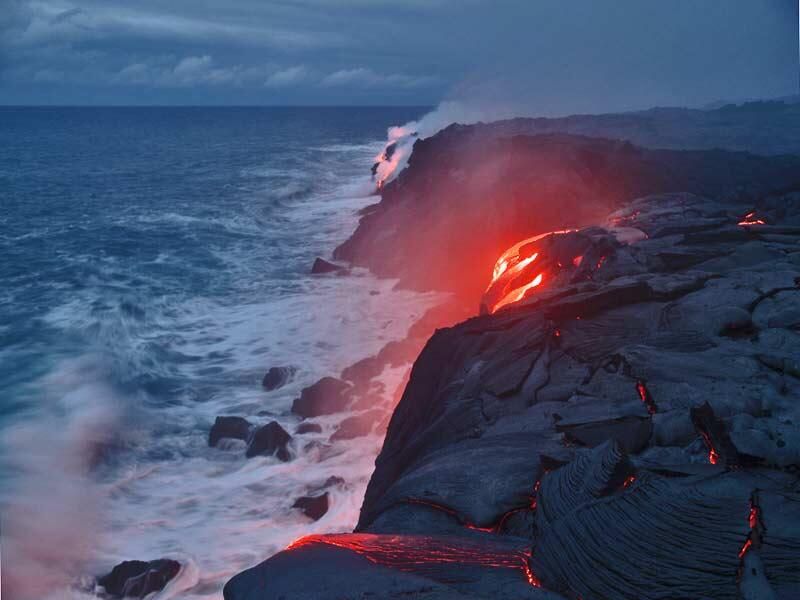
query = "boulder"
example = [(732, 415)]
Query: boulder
[(326, 397), (308, 428), (236, 428), (357, 425), (322, 266), (268, 440), (277, 377), (138, 578), (314, 507)]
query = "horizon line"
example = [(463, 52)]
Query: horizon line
[(216, 105)]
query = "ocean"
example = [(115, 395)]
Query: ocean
[(155, 263)]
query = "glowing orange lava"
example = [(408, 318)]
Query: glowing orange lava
[(749, 219), (520, 269), (519, 293), (645, 397), (713, 457)]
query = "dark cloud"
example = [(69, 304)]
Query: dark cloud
[(546, 56)]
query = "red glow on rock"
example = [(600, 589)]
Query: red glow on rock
[(745, 548), (645, 396), (751, 219), (753, 517), (519, 293), (453, 513), (600, 262), (512, 276), (577, 260), (713, 457), (531, 576), (534, 499), (628, 481), (557, 333), (413, 553)]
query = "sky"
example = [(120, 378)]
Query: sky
[(552, 56)]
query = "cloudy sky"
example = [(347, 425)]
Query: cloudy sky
[(558, 55)]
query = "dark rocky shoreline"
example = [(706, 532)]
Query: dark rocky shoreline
[(510, 436), (627, 430)]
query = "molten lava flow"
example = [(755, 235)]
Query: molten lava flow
[(512, 276), (713, 457), (519, 293), (750, 219), (645, 396), (422, 554)]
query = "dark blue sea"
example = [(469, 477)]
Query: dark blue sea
[(154, 263)]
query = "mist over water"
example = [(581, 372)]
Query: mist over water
[(155, 265)]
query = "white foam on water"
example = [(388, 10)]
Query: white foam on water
[(166, 493)]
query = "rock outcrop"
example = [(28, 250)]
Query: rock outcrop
[(236, 428), (626, 429), (469, 192), (138, 578), (322, 266), (327, 396), (270, 439), (314, 507)]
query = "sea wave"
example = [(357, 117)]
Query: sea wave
[(113, 447)]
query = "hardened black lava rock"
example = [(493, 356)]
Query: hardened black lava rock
[(270, 439), (237, 428), (627, 429), (138, 578), (277, 377)]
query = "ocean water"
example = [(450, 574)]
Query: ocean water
[(153, 265)]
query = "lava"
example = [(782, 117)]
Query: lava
[(418, 553), (753, 516), (530, 575), (519, 293), (520, 269), (492, 529), (713, 457), (747, 544), (647, 399), (600, 262), (749, 219)]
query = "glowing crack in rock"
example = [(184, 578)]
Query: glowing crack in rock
[(747, 544), (750, 219), (421, 553), (647, 399)]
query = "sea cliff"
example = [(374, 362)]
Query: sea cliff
[(627, 429)]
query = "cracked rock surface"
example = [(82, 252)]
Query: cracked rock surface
[(627, 430)]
